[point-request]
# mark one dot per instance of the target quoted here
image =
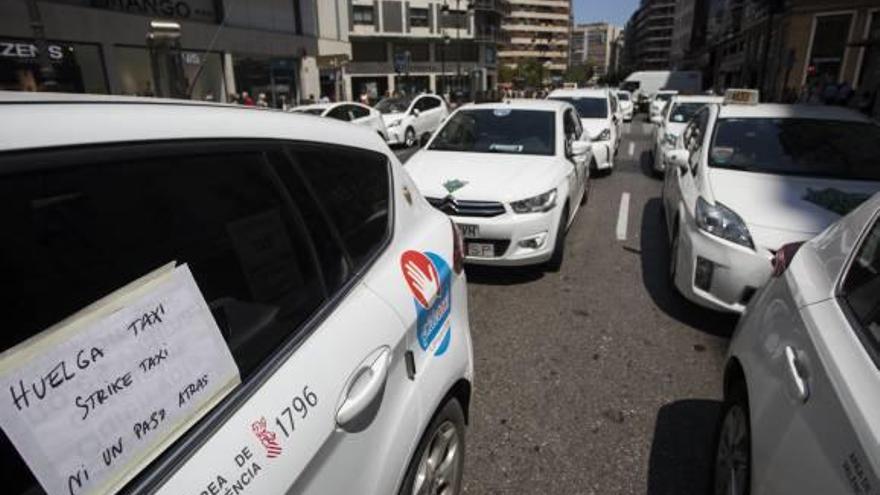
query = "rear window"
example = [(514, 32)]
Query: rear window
[(683, 112), (269, 233), (623, 96), (587, 107), (809, 147)]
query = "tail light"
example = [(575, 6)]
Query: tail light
[(457, 249), (782, 258)]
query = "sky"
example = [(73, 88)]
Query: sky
[(614, 11)]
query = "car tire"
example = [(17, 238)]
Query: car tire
[(409, 138), (554, 264), (443, 438), (731, 473)]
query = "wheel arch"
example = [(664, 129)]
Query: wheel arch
[(734, 378)]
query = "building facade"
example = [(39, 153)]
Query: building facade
[(595, 44), (201, 49), (649, 35), (538, 30), (440, 46)]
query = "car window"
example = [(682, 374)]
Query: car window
[(586, 106), (499, 130), (79, 231), (613, 101), (793, 146), (861, 289), (339, 113), (359, 112), (352, 187), (427, 103), (623, 96), (683, 112), (394, 104), (695, 142)]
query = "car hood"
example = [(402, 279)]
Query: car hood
[(780, 209), (594, 127), (483, 176), (388, 118)]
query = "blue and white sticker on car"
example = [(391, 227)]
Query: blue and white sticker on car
[(429, 279)]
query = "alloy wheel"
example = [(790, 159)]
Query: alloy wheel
[(439, 467), (732, 457)]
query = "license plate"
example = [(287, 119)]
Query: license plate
[(481, 250), (469, 231)]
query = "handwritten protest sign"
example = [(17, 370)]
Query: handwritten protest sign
[(90, 401)]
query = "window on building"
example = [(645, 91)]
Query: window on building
[(368, 51), (453, 20), (362, 15), (418, 52), (830, 37), (418, 17)]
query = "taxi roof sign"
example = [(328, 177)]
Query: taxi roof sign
[(742, 97)]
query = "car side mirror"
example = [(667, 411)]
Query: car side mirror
[(656, 119), (423, 140), (678, 158), (580, 148), (416, 112)]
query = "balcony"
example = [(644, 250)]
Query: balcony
[(497, 6), (496, 36)]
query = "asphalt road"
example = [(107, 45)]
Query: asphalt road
[(599, 379)]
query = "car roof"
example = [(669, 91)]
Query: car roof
[(522, 104), (697, 99), (595, 92), (44, 120), (313, 106), (667, 92), (797, 111)]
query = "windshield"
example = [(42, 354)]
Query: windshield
[(682, 112), (663, 96), (623, 96), (311, 111), (396, 104), (499, 130), (587, 107), (812, 147)]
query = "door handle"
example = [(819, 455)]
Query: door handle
[(801, 387), (364, 388)]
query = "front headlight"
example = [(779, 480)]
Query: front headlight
[(723, 222), (669, 139), (605, 135), (395, 123), (536, 204)]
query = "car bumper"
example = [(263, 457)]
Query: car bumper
[(506, 232), (395, 135), (628, 115), (718, 274)]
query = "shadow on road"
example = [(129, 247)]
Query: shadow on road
[(682, 452), (646, 163), (502, 275), (655, 276)]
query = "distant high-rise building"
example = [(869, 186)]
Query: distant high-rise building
[(594, 44), (649, 34), (538, 30)]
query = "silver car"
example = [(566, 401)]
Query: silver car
[(802, 383)]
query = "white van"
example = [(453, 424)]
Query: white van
[(307, 327), (644, 84)]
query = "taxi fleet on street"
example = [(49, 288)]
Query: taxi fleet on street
[(747, 178), (512, 176)]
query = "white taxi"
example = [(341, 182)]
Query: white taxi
[(751, 178), (659, 101), (511, 175), (332, 294), (347, 111), (599, 119), (672, 121), (410, 118), (801, 384)]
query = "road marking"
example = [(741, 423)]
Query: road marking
[(623, 217), (632, 148)]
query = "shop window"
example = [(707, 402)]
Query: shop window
[(362, 15), (418, 17), (829, 46), (77, 67)]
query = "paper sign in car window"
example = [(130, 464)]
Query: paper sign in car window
[(93, 399)]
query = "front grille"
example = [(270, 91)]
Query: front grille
[(462, 208), (501, 245)]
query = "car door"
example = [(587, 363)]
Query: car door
[(680, 185), (573, 132), (819, 433)]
